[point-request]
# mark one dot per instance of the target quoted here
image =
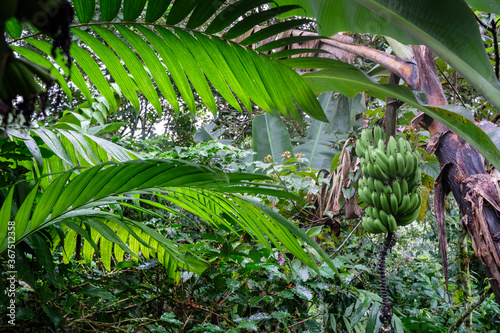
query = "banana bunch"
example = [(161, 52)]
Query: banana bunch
[(390, 182)]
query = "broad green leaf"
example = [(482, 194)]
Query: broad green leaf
[(113, 65), (69, 245), (299, 233), (349, 81), (135, 67), (5, 216), (251, 21), (190, 66), (46, 203), (231, 13), (84, 9), (132, 9), (320, 135), (30, 143), (286, 41), (154, 65), (90, 67), (490, 6), (109, 9), (74, 72), (76, 189), (206, 133), (241, 74), (447, 27), (209, 47), (155, 9), (22, 218), (270, 137), (173, 65), (210, 68), (42, 251), (203, 11), (54, 144), (41, 60), (13, 28), (180, 10)]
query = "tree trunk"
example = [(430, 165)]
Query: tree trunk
[(463, 173)]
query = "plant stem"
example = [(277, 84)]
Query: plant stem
[(386, 309), (391, 110), (468, 311)]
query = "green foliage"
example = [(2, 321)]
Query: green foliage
[(111, 239)]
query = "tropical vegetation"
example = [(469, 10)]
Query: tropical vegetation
[(167, 166)]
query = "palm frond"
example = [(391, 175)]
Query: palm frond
[(189, 41), (205, 192), (70, 150)]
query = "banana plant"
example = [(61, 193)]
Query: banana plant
[(449, 29)]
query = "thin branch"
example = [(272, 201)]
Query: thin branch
[(300, 322), (455, 91), (468, 311), (345, 241)]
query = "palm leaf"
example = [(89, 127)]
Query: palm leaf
[(193, 55), (199, 190), (70, 148)]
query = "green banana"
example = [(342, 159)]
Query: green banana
[(388, 190), (361, 183), (384, 203), (379, 186), (403, 206), (370, 181), (381, 159), (379, 173), (366, 137), (394, 204), (364, 169), (375, 199), (392, 147), (367, 223), (378, 134), (375, 213), (396, 189), (407, 219), (365, 195), (401, 167), (380, 226), (408, 145), (401, 145), (404, 186), (410, 166), (391, 221), (360, 148), (383, 218), (370, 169), (381, 145), (393, 167), (415, 202)]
